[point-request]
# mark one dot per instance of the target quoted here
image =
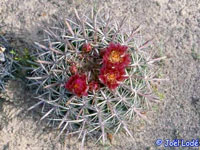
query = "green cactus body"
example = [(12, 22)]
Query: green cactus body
[(75, 52)]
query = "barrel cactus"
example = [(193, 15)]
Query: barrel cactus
[(6, 63), (92, 76)]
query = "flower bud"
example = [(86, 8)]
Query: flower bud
[(73, 69), (86, 47), (93, 85)]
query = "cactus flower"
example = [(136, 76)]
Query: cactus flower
[(86, 47), (111, 77), (116, 56), (77, 85)]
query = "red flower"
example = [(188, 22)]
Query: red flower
[(116, 56), (77, 85), (111, 77), (93, 85), (86, 47), (102, 52)]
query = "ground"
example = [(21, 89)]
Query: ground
[(175, 27)]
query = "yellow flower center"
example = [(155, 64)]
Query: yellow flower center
[(111, 77), (115, 57), (76, 86)]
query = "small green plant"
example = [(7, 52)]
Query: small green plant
[(25, 62), (93, 76)]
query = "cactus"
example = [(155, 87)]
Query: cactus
[(93, 77), (6, 63)]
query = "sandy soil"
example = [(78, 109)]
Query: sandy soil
[(175, 25)]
